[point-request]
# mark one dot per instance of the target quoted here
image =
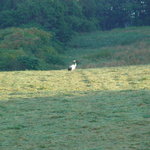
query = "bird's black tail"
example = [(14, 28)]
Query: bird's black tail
[(69, 69)]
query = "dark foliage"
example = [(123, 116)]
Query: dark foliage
[(26, 62), (54, 59), (63, 17)]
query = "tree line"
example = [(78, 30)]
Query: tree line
[(64, 17)]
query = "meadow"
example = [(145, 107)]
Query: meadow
[(88, 109), (96, 107), (118, 47)]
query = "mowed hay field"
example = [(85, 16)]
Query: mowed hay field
[(88, 109)]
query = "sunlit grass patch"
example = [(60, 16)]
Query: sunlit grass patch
[(41, 83)]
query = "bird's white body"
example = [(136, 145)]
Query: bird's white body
[(73, 66)]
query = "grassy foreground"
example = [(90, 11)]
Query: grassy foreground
[(91, 109)]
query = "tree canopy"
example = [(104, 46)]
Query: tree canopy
[(63, 17)]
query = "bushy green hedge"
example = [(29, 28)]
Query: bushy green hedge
[(26, 48), (27, 62)]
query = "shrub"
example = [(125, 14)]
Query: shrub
[(24, 48), (55, 60), (88, 26), (8, 58), (7, 64), (26, 62)]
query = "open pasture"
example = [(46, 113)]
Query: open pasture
[(89, 109)]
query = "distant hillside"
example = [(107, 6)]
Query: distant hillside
[(36, 49), (129, 46)]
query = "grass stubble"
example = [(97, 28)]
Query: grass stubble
[(89, 109)]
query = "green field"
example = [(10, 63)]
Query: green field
[(96, 107), (89, 109), (118, 47)]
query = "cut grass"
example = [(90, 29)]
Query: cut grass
[(31, 83), (91, 109), (104, 120)]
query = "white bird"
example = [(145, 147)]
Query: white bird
[(73, 66)]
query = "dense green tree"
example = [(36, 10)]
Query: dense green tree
[(64, 17), (117, 13)]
